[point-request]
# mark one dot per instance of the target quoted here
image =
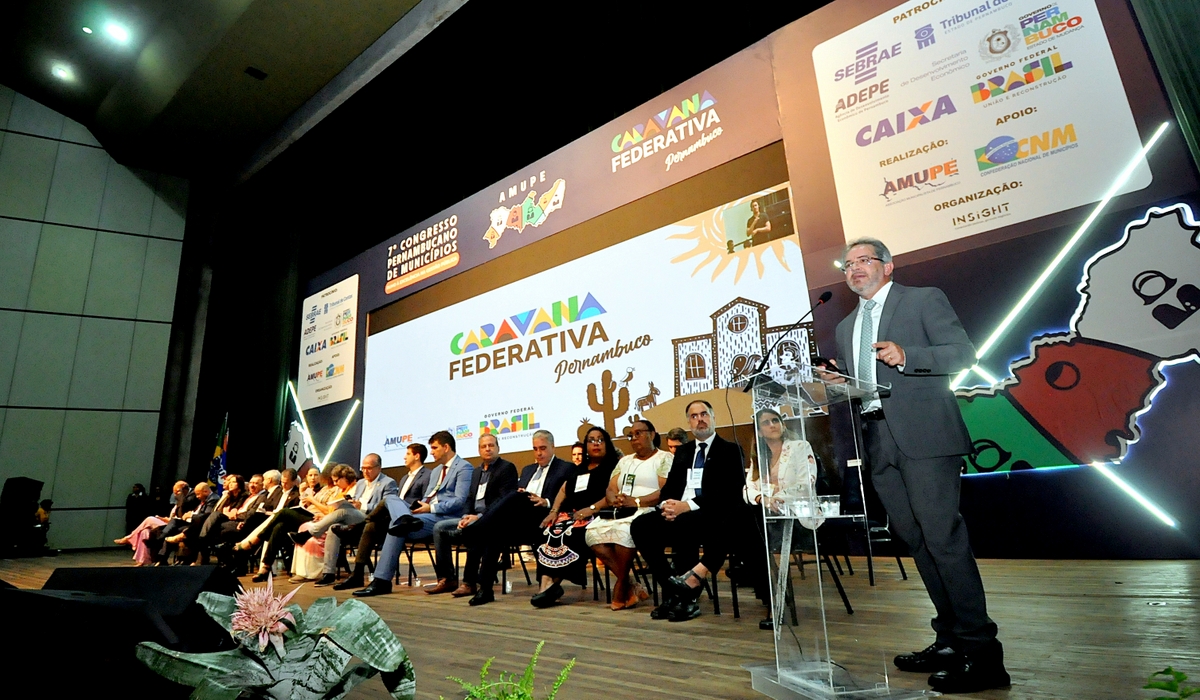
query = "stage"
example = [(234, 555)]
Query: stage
[(1083, 629)]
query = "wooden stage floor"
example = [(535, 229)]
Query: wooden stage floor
[(1071, 629)]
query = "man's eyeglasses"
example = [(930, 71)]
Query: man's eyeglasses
[(864, 262)]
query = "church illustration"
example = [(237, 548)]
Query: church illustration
[(740, 335)]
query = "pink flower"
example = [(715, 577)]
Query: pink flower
[(261, 614)]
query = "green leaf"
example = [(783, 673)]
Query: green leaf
[(358, 629), (401, 683), (1161, 685), (235, 668), (212, 690), (318, 614), (355, 675), (219, 607), (319, 669)]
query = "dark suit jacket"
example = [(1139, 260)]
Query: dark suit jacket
[(920, 410), (188, 504), (418, 488), (502, 480), (723, 480), (252, 505), (556, 473), (216, 517)]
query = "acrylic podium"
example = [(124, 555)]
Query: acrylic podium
[(808, 662)]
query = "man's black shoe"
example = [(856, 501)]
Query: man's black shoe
[(377, 586), (547, 597), (482, 597), (686, 610), (978, 669), (935, 657), (663, 612), (406, 524), (260, 577), (327, 580), (348, 584), (300, 537), (767, 624)]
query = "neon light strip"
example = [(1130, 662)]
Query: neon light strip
[(987, 376), (340, 432), (307, 436), (1062, 254), (1142, 500)]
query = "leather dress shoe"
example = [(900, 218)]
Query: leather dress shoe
[(684, 611), (377, 586), (444, 585), (935, 657), (464, 590), (405, 524), (300, 537), (978, 669), (663, 611), (260, 577), (547, 597), (326, 580), (766, 624), (348, 584), (482, 597)]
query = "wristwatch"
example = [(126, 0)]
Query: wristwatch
[(638, 502)]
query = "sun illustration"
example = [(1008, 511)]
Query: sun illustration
[(724, 246)]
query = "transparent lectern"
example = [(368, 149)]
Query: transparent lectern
[(810, 662)]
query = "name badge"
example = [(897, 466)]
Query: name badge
[(581, 484), (697, 477), (479, 492)]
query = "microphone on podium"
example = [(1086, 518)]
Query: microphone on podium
[(825, 296)]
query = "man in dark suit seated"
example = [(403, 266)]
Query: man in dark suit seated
[(187, 525), (517, 517), (494, 478), (703, 491)]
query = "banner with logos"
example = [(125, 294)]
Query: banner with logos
[(327, 342), (953, 118), (687, 308)]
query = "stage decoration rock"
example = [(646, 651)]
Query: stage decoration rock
[(284, 652)]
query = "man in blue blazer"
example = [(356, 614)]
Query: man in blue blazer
[(445, 499), (910, 338)]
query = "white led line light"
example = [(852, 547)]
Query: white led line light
[(1062, 254), (1142, 500), (340, 432)]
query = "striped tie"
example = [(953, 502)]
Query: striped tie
[(866, 354)]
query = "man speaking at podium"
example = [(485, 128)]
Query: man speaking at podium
[(910, 338)]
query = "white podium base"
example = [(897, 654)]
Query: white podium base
[(811, 681)]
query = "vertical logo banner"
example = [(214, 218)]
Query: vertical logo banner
[(327, 340)]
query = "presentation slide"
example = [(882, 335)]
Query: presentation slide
[(687, 308), (947, 120), (327, 342)]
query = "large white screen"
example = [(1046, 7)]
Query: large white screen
[(685, 313)]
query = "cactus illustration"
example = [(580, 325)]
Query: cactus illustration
[(610, 407)]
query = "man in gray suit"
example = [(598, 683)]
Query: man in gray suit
[(910, 338)]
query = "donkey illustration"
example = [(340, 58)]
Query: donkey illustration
[(647, 401)]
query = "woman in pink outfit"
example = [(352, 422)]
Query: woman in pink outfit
[(137, 538)]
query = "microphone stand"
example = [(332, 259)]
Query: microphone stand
[(767, 356)]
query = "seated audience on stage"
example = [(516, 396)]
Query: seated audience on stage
[(365, 494), (414, 483), (632, 491), (308, 559), (318, 499), (517, 518), (183, 532), (494, 478), (675, 438), (231, 500), (445, 499), (565, 553), (703, 488), (578, 451), (282, 492), (183, 500)]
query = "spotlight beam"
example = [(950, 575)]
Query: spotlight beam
[(1133, 493), (1047, 273)]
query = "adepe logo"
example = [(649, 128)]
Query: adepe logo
[(1032, 72), (657, 123), (1039, 26), (1007, 149), (516, 423), (906, 121), (526, 323), (927, 177), (866, 62)]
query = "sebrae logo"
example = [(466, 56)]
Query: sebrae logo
[(526, 323), (866, 63), (906, 121), (1048, 23), (1032, 72), (1004, 150)]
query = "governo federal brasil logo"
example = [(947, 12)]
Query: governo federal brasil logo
[(546, 318)]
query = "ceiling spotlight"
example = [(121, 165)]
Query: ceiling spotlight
[(63, 73), (87, 30), (117, 32)]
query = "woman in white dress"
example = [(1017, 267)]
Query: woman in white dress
[(790, 472), (632, 491)]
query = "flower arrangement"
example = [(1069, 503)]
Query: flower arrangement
[(510, 686), (284, 652)]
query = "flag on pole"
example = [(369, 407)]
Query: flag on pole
[(216, 469)]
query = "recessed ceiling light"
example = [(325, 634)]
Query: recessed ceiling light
[(63, 72), (117, 32), (87, 30)]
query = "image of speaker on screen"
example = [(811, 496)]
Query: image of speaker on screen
[(758, 221)]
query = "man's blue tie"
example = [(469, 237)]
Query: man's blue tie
[(699, 461)]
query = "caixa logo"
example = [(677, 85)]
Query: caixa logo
[(931, 111)]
